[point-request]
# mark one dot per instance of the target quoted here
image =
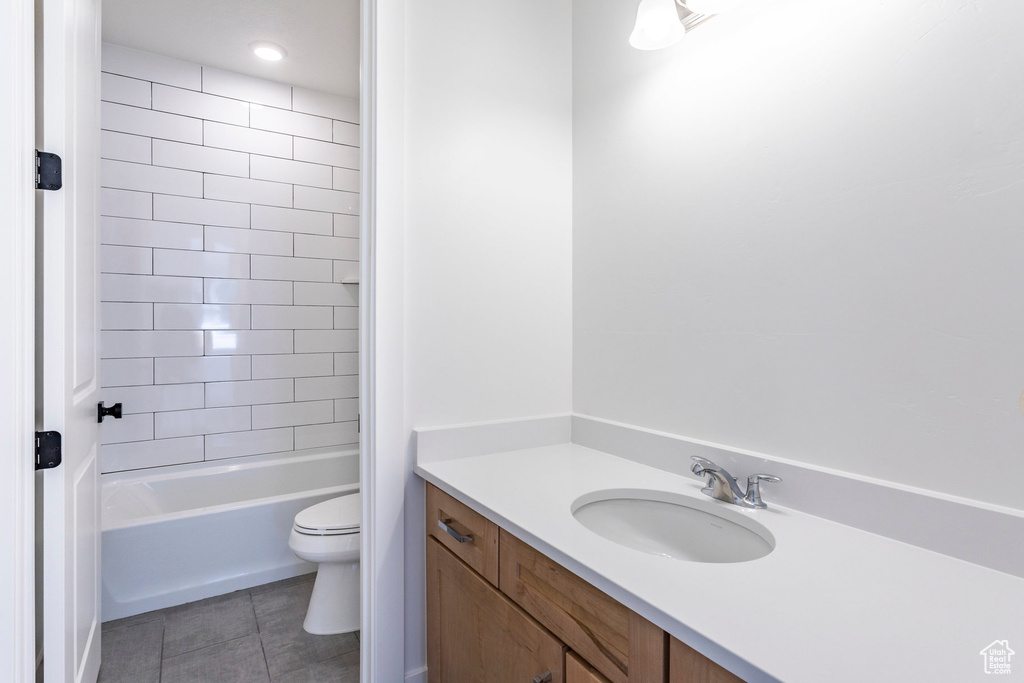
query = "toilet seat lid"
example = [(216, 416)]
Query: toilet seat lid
[(337, 514)]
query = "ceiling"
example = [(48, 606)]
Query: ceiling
[(321, 36)]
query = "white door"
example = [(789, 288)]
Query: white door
[(70, 127)]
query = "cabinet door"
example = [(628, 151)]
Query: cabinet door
[(477, 635), (686, 665), (578, 671)]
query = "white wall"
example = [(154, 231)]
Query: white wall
[(798, 232), (230, 224), (487, 227)]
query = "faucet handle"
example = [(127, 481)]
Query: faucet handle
[(701, 464), (753, 497)]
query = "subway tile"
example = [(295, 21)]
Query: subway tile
[(288, 268), (131, 316), (154, 124), (147, 344), (291, 123), (323, 341), (326, 153), (206, 421), (253, 392), (125, 204), (318, 388), (154, 398), (317, 246), (292, 414), (148, 233), (293, 365), (346, 409), (346, 133), (325, 294), (131, 91), (128, 428), (199, 158), (246, 140), (125, 147), (247, 190), (158, 453), (200, 263), (318, 199), (132, 260), (346, 318), (150, 288), (246, 241), (346, 363), (201, 369), (220, 446), (346, 271), (123, 175), (126, 372), (247, 292), (248, 88), (292, 318), (145, 65), (346, 225), (235, 342), (202, 211), (200, 105), (331, 434), (200, 317), (325, 104), (346, 179), (288, 171), (291, 220)]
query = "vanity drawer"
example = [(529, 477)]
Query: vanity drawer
[(620, 644), (686, 665), (578, 671), (472, 538)]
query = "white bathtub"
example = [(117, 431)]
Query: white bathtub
[(194, 531)]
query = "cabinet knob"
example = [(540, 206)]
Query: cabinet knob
[(543, 678)]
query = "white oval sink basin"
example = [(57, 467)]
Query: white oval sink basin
[(673, 525)]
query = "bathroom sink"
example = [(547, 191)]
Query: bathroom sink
[(673, 525)]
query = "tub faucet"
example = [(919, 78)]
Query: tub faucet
[(722, 485)]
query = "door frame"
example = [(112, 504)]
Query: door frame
[(17, 341)]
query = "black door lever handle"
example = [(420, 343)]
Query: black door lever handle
[(113, 411)]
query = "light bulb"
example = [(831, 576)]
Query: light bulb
[(711, 6), (657, 25), (268, 51)]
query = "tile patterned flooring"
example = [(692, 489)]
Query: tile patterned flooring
[(249, 636)]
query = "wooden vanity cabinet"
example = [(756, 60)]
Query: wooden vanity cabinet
[(474, 633), (498, 610)]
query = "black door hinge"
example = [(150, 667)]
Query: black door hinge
[(48, 171), (47, 450)]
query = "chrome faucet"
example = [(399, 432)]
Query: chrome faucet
[(722, 485)]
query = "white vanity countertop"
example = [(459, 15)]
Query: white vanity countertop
[(830, 604)]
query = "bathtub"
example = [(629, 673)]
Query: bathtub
[(189, 532)]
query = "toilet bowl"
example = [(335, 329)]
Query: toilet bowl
[(328, 533)]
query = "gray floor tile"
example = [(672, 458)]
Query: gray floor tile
[(283, 583), (236, 661), (157, 615), (208, 622), (132, 654), (337, 670), (279, 614)]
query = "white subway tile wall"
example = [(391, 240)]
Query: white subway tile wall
[(229, 220)]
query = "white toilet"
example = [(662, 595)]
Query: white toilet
[(328, 533)]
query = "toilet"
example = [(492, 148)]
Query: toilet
[(328, 533)]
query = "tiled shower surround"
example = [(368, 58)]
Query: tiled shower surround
[(229, 230)]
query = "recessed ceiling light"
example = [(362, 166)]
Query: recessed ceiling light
[(268, 51)]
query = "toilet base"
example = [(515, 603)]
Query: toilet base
[(334, 605)]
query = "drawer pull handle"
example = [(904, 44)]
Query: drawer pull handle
[(443, 523), (543, 678)]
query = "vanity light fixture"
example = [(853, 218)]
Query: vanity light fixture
[(268, 51), (661, 23)]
